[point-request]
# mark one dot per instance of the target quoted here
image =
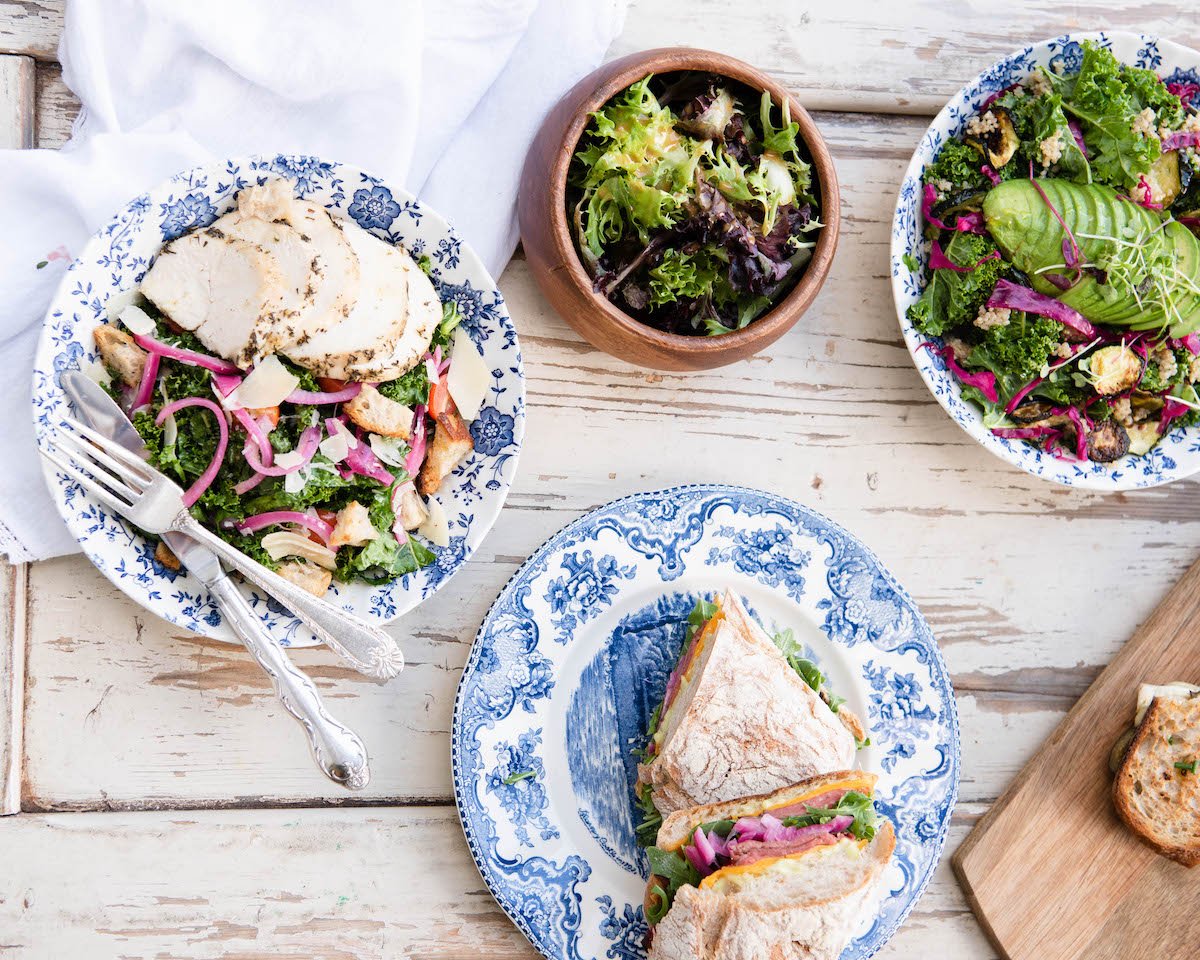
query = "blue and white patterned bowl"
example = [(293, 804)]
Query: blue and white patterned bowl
[(1178, 454), (574, 656), (115, 260)]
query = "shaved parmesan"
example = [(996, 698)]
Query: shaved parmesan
[(295, 481), (285, 543), (468, 378), (334, 447), (137, 321), (293, 458), (435, 528), (95, 370), (267, 385), (341, 430), (391, 450), (118, 302)]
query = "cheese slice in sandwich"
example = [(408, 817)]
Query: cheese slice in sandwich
[(784, 875), (736, 720), (1157, 786)]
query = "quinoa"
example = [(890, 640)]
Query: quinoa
[(1037, 83), (1051, 149), (1143, 123), (989, 317), (1168, 366), (1122, 410), (985, 123)]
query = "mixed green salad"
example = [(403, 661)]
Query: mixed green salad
[(1063, 278), (693, 203), (299, 483)]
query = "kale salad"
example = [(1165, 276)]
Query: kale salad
[(1063, 278), (693, 203)]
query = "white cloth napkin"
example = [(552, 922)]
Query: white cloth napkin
[(441, 97)]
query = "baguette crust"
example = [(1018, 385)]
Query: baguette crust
[(730, 736), (1155, 799), (810, 915)]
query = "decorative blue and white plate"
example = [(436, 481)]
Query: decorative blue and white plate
[(118, 255), (1178, 454), (574, 656)]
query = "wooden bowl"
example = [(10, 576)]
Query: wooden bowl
[(550, 248)]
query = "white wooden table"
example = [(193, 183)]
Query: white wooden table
[(164, 806)]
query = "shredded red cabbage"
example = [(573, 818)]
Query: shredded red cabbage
[(1147, 199), (1077, 133), (1180, 139), (1171, 410), (984, 380), (1015, 297), (1191, 342), (990, 174), (1081, 429), (971, 223), (939, 261)]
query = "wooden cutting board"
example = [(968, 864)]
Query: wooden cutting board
[(1050, 871)]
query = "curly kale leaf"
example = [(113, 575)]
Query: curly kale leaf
[(1107, 97), (1017, 351), (951, 298), (957, 164)]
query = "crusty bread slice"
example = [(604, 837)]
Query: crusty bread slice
[(742, 724), (1156, 791), (805, 907), (677, 828), (736, 612)]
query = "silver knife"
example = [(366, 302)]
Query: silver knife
[(338, 751), (366, 648)]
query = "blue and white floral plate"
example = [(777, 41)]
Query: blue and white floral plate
[(574, 656), (1178, 454), (115, 259)]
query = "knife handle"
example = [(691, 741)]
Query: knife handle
[(366, 648), (337, 749)]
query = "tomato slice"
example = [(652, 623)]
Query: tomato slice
[(330, 385), (440, 400), (271, 413)]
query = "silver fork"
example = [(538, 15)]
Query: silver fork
[(129, 486)]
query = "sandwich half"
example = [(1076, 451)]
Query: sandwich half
[(1157, 787), (743, 714), (786, 876)]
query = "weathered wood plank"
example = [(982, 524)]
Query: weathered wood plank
[(56, 106), (18, 128), (870, 56), (31, 27), (13, 591), (312, 883)]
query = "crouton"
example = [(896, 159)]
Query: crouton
[(307, 576), (163, 554), (123, 358), (412, 510), (450, 444), (353, 527), (376, 413)]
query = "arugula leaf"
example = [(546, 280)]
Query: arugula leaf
[(673, 867), (701, 613), (651, 819), (854, 804)]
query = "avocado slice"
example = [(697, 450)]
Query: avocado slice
[(1030, 236)]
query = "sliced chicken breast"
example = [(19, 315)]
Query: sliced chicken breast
[(387, 330), (424, 313), (227, 290), (319, 262)]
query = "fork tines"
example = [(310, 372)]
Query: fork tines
[(114, 475)]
